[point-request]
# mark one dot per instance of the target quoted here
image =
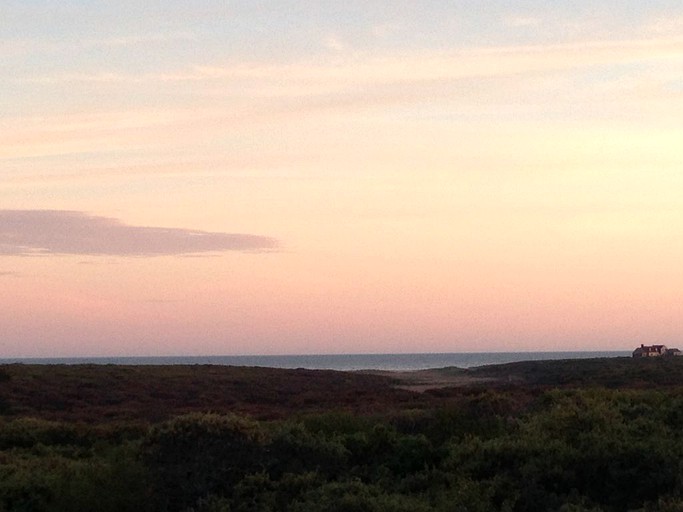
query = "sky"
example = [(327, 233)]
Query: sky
[(315, 177)]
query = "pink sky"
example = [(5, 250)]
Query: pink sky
[(357, 181)]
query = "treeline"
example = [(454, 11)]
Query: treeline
[(553, 450)]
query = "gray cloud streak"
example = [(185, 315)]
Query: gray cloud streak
[(41, 232)]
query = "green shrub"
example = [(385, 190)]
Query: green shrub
[(28, 432), (111, 482), (294, 449), (355, 496), (197, 455)]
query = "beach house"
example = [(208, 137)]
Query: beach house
[(655, 351)]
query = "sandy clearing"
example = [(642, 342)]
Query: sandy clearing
[(423, 380)]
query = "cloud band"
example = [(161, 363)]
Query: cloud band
[(36, 232)]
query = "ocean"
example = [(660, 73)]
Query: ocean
[(346, 362)]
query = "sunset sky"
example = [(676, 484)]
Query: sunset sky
[(295, 177)]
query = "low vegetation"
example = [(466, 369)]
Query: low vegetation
[(597, 435)]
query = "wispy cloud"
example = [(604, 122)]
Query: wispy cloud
[(24, 47), (522, 21), (417, 67), (9, 273), (139, 39), (41, 232), (231, 97), (334, 43), (664, 26), (384, 30)]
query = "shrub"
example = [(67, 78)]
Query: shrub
[(28, 432), (294, 449), (197, 455), (355, 496)]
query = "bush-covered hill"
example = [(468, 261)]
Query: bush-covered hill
[(616, 372), (96, 393), (209, 439)]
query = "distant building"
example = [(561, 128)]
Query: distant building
[(655, 351)]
